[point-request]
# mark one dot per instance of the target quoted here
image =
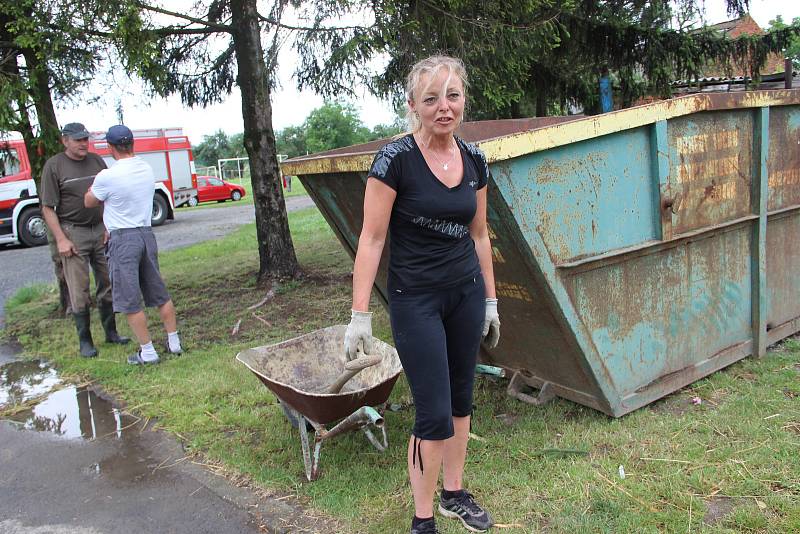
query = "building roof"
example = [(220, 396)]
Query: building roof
[(734, 28), (744, 25)]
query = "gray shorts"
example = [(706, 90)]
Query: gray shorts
[(133, 268)]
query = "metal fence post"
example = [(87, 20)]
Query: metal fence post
[(759, 247)]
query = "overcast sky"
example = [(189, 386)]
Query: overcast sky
[(290, 107)]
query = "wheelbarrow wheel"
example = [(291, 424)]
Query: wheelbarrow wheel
[(289, 414)]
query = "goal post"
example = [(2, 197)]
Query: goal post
[(232, 168), (208, 170), (236, 168)]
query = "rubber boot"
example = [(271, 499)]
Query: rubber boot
[(110, 325), (85, 334)]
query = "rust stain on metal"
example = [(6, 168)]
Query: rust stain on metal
[(783, 161), (712, 157), (783, 258)]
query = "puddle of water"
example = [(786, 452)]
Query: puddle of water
[(9, 350), (74, 412), (22, 381), (69, 412)]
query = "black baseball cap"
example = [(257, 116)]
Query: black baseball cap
[(119, 135), (75, 130)]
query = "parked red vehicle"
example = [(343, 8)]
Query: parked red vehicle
[(210, 188)]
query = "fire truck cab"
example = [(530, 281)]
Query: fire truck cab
[(21, 219)]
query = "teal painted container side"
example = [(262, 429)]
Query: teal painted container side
[(636, 258), (652, 315), (647, 310), (585, 198), (783, 223)]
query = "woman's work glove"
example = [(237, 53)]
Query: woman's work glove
[(359, 330), (491, 324)]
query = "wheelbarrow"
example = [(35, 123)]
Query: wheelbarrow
[(298, 371)]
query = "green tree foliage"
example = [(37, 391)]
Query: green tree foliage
[(218, 146), (291, 141), (212, 148), (237, 146), (383, 131), (532, 56), (49, 49), (495, 38), (334, 125), (205, 52), (792, 49)]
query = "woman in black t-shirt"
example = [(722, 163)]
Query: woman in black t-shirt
[(428, 190)]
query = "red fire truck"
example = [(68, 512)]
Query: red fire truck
[(167, 150)]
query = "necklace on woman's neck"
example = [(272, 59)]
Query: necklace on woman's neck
[(444, 164)]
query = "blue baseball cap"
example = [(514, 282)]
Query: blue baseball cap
[(119, 135)]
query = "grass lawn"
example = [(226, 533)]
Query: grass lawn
[(729, 464)]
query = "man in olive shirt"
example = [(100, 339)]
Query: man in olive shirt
[(79, 232)]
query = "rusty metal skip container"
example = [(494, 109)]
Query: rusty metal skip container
[(634, 252)]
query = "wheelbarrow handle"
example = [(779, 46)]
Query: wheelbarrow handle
[(352, 368)]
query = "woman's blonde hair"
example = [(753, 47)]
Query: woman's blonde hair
[(430, 67)]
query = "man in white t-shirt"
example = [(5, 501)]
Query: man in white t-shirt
[(126, 192)]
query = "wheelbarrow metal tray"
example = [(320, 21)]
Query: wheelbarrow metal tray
[(299, 369)]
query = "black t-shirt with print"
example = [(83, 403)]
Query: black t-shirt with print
[(429, 241)]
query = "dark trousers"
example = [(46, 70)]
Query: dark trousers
[(437, 334)]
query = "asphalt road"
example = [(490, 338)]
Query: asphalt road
[(119, 477), (21, 266)]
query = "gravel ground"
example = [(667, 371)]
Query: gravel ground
[(25, 266)]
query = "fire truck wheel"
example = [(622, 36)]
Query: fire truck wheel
[(236, 195), (31, 228), (159, 210)]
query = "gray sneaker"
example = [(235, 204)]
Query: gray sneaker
[(136, 359), (426, 527), (170, 351), (463, 506)]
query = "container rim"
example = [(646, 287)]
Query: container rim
[(358, 158)]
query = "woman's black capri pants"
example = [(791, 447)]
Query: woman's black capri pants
[(437, 334)]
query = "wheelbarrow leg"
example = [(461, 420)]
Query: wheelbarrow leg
[(372, 439), (310, 460), (363, 418)]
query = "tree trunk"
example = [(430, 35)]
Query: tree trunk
[(541, 103), (48, 142), (275, 248), (10, 69), (541, 97), (49, 139), (43, 146)]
